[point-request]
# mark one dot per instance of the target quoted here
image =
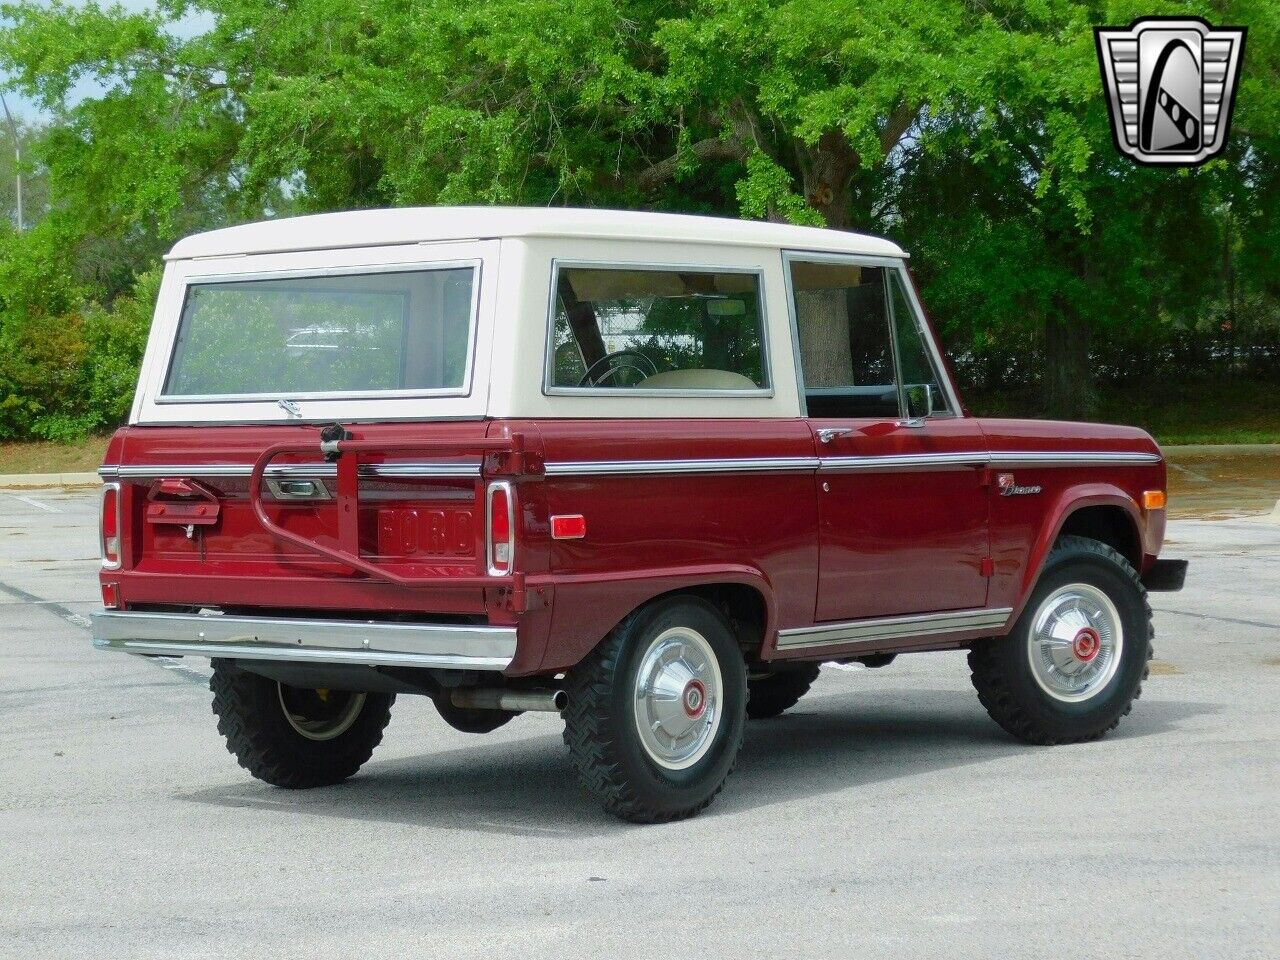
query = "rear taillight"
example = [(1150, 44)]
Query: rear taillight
[(501, 524), (110, 526)]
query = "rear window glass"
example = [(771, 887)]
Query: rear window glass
[(648, 329), (298, 336)]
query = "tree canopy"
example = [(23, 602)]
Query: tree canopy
[(974, 131)]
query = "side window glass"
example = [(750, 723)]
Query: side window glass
[(632, 328), (918, 370), (846, 352)]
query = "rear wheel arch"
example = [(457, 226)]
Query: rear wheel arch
[(743, 605), (742, 595)]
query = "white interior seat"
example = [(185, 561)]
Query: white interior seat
[(697, 380)]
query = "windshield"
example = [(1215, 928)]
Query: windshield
[(359, 333)]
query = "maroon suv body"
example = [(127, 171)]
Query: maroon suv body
[(647, 471)]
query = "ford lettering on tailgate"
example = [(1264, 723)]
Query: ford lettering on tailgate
[(433, 531)]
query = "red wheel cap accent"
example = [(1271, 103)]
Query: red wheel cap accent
[(1086, 644), (694, 699)]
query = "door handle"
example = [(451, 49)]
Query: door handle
[(827, 434)]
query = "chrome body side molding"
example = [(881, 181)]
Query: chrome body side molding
[(415, 471), (364, 643), (934, 461), (632, 467), (584, 468), (1072, 458), (871, 632)]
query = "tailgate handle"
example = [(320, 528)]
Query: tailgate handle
[(297, 489), (190, 503)]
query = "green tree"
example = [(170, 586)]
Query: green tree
[(34, 188), (974, 129)]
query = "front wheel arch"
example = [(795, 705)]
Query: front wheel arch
[(1085, 507), (1107, 524)]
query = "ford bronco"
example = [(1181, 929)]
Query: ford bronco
[(645, 471)]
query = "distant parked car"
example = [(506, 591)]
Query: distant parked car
[(645, 471)]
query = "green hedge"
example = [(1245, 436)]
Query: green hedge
[(67, 371)]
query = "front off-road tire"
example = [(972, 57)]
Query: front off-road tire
[(1076, 658), (319, 739), (656, 712), (772, 693)]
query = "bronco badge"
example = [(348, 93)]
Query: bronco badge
[(1009, 488), (1170, 87)]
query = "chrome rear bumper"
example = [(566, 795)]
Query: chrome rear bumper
[(365, 643)]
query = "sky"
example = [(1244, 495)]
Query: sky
[(24, 109)]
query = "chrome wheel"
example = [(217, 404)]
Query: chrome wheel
[(678, 698), (319, 714), (1075, 642)]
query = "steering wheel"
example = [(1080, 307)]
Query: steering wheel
[(588, 378)]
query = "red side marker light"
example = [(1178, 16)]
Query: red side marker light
[(572, 526), (111, 596)]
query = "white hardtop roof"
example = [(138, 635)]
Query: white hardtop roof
[(369, 228)]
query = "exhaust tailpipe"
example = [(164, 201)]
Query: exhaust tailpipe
[(516, 701)]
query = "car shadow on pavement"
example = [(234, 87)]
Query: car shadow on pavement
[(841, 742), (526, 787)]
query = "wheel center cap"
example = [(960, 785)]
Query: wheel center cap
[(1086, 645), (694, 699)]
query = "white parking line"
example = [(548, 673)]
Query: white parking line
[(175, 665), (35, 503)]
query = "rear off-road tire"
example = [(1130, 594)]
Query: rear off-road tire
[(1076, 658), (296, 738), (656, 712)]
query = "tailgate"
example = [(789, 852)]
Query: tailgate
[(255, 516)]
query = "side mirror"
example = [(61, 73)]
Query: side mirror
[(919, 403)]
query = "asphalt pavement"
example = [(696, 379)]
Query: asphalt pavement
[(886, 816)]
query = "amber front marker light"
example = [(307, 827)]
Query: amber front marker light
[(1153, 500)]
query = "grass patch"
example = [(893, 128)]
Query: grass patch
[(47, 457), (1200, 413), (1211, 413)]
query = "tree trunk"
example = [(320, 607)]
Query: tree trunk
[(827, 169), (825, 357), (823, 315), (1069, 391)]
